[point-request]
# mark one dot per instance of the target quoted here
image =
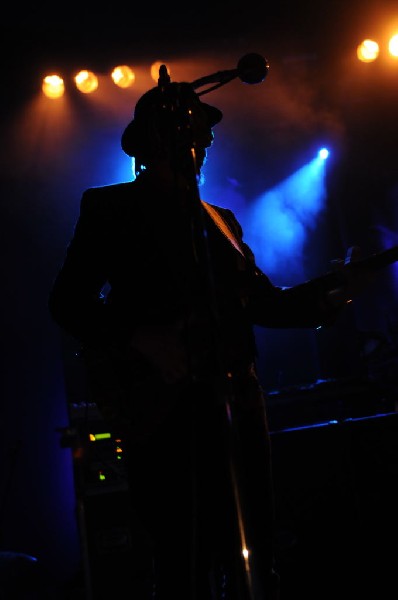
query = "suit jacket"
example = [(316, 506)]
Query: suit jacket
[(145, 254)]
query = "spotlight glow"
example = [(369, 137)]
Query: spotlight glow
[(285, 216), (323, 153), (368, 50), (393, 46), (123, 76), (53, 86), (86, 82)]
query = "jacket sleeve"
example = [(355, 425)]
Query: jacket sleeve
[(302, 306), (75, 300), (305, 305)]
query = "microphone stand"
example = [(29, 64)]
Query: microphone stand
[(223, 390)]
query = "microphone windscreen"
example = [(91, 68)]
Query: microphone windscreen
[(252, 68)]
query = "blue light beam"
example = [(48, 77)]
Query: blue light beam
[(281, 219)]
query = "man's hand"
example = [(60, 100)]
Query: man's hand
[(355, 278)]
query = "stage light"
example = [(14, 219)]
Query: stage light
[(368, 51), (123, 76), (86, 82), (53, 86), (393, 46), (323, 153)]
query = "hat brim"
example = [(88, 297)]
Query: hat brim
[(214, 114), (130, 137)]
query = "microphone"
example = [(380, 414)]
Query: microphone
[(251, 68), (164, 77)]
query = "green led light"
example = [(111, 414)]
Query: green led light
[(101, 436)]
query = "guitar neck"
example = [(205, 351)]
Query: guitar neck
[(374, 262), (379, 260)]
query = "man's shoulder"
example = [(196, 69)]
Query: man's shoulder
[(111, 191), (108, 199)]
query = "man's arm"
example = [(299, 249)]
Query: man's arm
[(75, 300), (319, 301)]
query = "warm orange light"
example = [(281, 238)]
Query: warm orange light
[(393, 46), (86, 82), (368, 50), (155, 70), (53, 86), (123, 76)]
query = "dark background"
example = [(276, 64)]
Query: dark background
[(315, 90)]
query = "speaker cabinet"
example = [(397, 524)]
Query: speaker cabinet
[(336, 507)]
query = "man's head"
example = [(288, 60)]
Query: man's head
[(167, 122)]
